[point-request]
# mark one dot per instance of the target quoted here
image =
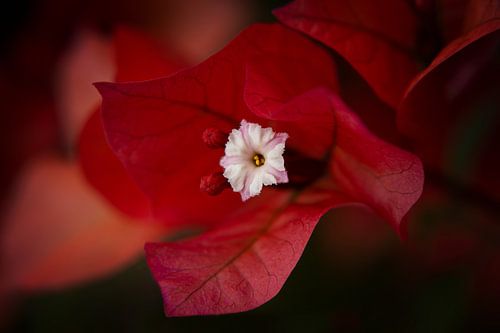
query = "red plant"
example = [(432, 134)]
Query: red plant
[(274, 77)]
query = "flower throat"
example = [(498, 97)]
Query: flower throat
[(258, 160)]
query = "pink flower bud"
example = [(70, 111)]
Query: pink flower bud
[(213, 184), (214, 138)]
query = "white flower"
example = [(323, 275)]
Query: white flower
[(253, 158)]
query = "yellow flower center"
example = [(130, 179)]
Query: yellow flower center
[(258, 160)]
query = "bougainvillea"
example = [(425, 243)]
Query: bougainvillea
[(266, 77), (274, 77)]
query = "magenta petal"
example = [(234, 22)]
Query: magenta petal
[(284, 89), (379, 174), (159, 141), (376, 38), (243, 263), (106, 173)]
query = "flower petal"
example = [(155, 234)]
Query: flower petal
[(236, 176), (278, 85), (137, 57), (376, 39), (106, 173), (256, 180), (243, 263), (384, 177)]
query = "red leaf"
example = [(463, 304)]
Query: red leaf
[(282, 88), (243, 263), (279, 86), (453, 49), (377, 40), (155, 127), (447, 98), (137, 58), (57, 232), (362, 100), (378, 174), (453, 72), (159, 140), (106, 173)]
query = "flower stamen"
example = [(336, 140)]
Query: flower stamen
[(258, 160), (213, 184), (214, 138)]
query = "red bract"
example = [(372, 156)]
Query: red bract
[(244, 262), (274, 77), (136, 58), (450, 109), (378, 43)]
